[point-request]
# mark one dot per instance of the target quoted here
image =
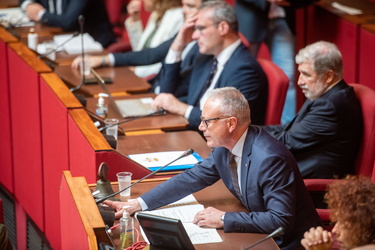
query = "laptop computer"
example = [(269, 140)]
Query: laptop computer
[(164, 233)]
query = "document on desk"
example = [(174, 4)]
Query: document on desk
[(154, 161), (185, 210)]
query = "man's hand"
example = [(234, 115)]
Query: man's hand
[(95, 61), (317, 239), (134, 9), (184, 35), (209, 217), (32, 11), (169, 103), (134, 206)]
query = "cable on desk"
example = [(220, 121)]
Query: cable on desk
[(139, 244)]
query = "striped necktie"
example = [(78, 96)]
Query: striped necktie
[(208, 82)]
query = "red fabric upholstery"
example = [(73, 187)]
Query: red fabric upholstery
[(365, 164), (278, 84)]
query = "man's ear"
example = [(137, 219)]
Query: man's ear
[(223, 28), (330, 75), (232, 124)]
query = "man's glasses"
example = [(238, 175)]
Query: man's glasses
[(206, 122), (200, 28)]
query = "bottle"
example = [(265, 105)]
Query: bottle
[(32, 39), (101, 106), (126, 229)]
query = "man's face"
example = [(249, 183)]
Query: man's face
[(190, 7), (312, 85), (207, 34), (340, 235), (216, 132)]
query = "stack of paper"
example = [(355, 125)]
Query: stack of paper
[(186, 213), (74, 45)]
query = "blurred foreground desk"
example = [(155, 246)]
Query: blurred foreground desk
[(83, 229), (124, 80)]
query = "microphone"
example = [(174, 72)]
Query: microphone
[(184, 154), (41, 56), (81, 20), (157, 112), (277, 232)]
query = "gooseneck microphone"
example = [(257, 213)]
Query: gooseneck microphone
[(41, 56), (277, 232), (81, 20), (157, 112), (186, 153)]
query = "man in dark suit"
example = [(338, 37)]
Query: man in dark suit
[(325, 135), (215, 30), (266, 181), (65, 13)]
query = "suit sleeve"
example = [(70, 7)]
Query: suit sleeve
[(143, 57), (203, 174), (68, 19), (316, 128), (272, 200)]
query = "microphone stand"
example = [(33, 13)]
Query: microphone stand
[(277, 232), (157, 112), (186, 153), (81, 20)]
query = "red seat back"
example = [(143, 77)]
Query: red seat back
[(278, 84)]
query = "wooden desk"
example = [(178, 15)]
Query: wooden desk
[(219, 197), (124, 80), (168, 122), (171, 141)]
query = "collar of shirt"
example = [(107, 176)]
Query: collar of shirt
[(237, 152)]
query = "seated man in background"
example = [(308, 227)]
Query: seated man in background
[(352, 204), (230, 64), (146, 56), (65, 15), (266, 181), (325, 135)]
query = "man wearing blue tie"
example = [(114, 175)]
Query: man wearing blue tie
[(256, 168), (216, 31)]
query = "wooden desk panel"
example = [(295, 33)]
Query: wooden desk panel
[(124, 80), (168, 122), (219, 197), (170, 141)]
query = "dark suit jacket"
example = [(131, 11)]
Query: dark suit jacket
[(272, 189), (96, 19), (253, 19), (241, 71), (324, 136), (143, 57)]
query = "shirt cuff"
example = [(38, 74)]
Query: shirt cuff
[(25, 3), (142, 203), (111, 60), (188, 111), (41, 13), (173, 57)]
